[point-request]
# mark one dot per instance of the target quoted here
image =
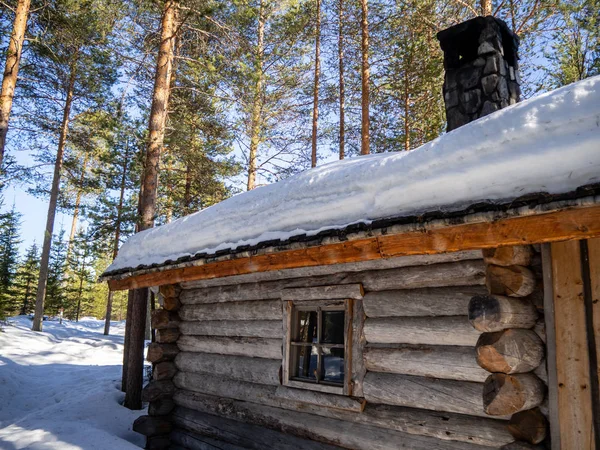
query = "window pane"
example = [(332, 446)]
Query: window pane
[(307, 326), (333, 327), (306, 358), (332, 369)]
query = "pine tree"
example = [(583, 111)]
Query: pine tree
[(56, 291), (26, 280), (81, 277), (70, 59), (10, 223)]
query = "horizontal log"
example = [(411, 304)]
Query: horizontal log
[(460, 273), (162, 319), (512, 255), (243, 368), (161, 352), (303, 275), (241, 346), (529, 426), (170, 290), (447, 362), (463, 397), (519, 445), (157, 389), (158, 442), (241, 328), (161, 406), (510, 351), (321, 399), (152, 426), (167, 335), (342, 291), (513, 281), (242, 433), (446, 301), (171, 303), (450, 330), (188, 440), (509, 394), (490, 313), (257, 310), (304, 425), (446, 426), (164, 371)]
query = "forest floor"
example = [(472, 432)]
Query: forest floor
[(60, 389)]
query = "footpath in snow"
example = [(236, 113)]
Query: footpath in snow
[(59, 390)]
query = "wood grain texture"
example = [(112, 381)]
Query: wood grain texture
[(489, 313), (513, 255), (162, 319), (450, 330), (447, 362), (358, 344), (343, 291), (529, 426), (575, 223), (241, 328), (442, 425), (246, 435), (293, 275), (463, 397), (594, 258), (509, 394), (256, 310), (238, 346), (255, 370), (572, 360), (442, 301), (510, 351), (341, 402), (459, 273), (181, 439), (303, 425), (513, 281), (161, 352)]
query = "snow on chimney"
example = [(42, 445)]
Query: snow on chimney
[(482, 73)]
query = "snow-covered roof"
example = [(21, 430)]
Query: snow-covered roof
[(550, 144)]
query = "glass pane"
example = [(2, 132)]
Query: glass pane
[(306, 326), (306, 359), (333, 327), (333, 365)]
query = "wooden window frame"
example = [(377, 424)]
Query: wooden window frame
[(290, 308)]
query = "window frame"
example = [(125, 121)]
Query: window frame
[(291, 307)]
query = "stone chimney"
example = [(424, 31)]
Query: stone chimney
[(482, 73)]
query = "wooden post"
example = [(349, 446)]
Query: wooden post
[(135, 356)]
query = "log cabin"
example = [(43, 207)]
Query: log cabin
[(444, 298)]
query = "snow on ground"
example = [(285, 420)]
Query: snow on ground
[(59, 389), (546, 144)]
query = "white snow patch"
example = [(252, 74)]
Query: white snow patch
[(59, 389), (550, 143)]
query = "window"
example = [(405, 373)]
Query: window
[(318, 345)]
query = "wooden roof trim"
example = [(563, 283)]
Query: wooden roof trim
[(566, 224)]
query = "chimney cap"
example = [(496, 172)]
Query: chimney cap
[(453, 36)]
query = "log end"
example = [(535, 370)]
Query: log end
[(152, 426), (510, 351), (530, 426), (504, 394)]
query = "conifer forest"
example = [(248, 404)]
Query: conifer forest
[(127, 114)]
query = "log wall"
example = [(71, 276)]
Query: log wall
[(416, 379)]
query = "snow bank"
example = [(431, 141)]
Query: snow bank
[(59, 390), (550, 143)]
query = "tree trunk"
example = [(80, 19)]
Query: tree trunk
[(45, 257), (364, 25), (117, 234), (187, 196), (11, 70), (128, 321), (257, 106), (77, 206), (315, 119), (406, 112), (158, 114), (342, 83), (80, 291), (486, 7)]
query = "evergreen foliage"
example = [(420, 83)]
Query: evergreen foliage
[(26, 280), (10, 240)]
